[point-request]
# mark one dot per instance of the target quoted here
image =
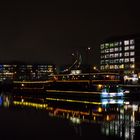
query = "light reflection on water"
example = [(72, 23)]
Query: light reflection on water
[(115, 117)]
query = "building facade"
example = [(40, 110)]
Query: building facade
[(121, 54), (25, 71), (7, 71)]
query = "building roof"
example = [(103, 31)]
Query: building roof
[(122, 37)]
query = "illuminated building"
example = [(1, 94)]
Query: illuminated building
[(7, 71), (25, 71), (121, 54), (42, 71), (34, 71)]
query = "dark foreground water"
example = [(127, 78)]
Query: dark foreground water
[(42, 117)]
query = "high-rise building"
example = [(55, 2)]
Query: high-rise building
[(121, 54)]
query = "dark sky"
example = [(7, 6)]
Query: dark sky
[(50, 32)]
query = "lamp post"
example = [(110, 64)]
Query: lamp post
[(88, 58)]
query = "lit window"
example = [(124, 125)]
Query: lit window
[(126, 54), (120, 43), (111, 45), (126, 48), (132, 65), (102, 46), (132, 41), (122, 66), (107, 66), (132, 59), (126, 42), (120, 54), (107, 56), (106, 44), (132, 47), (132, 53), (107, 51), (116, 49), (102, 67), (116, 67), (126, 60), (111, 66), (111, 50), (116, 55)]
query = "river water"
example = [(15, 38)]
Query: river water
[(42, 117)]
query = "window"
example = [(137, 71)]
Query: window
[(116, 49), (111, 55), (132, 47), (111, 50), (127, 66), (132, 59), (116, 67), (126, 60), (116, 60), (107, 44), (107, 56), (111, 66), (126, 54), (102, 61), (111, 45), (121, 60), (132, 66), (102, 51), (126, 42), (116, 43), (102, 56), (107, 51), (106, 61), (102, 67), (116, 55), (132, 41), (120, 54), (111, 61), (126, 48), (120, 43), (122, 66), (120, 49), (132, 53), (107, 66)]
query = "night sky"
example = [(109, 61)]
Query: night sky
[(50, 32)]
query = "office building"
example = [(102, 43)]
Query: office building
[(121, 54)]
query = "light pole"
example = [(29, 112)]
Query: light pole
[(88, 57), (88, 63)]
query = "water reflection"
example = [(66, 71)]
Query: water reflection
[(115, 117)]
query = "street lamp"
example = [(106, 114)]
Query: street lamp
[(88, 58), (89, 48)]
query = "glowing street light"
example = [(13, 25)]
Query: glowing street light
[(89, 48)]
